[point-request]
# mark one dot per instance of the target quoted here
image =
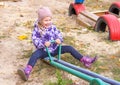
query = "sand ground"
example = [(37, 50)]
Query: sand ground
[(13, 19)]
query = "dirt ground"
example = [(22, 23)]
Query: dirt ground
[(15, 20)]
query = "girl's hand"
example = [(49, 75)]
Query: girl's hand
[(47, 44), (58, 41)]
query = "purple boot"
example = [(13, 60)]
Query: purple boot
[(87, 61), (24, 73)]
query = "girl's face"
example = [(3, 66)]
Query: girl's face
[(46, 22)]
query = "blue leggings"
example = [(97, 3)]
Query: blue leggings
[(40, 53)]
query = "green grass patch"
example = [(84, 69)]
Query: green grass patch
[(3, 36), (69, 40), (99, 67), (61, 80), (116, 72)]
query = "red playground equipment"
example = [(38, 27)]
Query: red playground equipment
[(103, 21)]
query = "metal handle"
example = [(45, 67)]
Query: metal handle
[(59, 51)]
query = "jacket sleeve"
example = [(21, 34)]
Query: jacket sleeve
[(37, 39), (58, 34)]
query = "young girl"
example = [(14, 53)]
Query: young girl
[(44, 31)]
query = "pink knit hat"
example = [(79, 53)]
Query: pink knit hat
[(44, 12)]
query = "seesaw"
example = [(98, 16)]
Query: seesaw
[(91, 77), (98, 20)]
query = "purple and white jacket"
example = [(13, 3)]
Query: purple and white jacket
[(41, 35)]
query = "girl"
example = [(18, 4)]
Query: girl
[(44, 31)]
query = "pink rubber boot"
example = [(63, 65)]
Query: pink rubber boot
[(24, 73), (87, 61)]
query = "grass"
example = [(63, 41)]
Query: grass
[(69, 40), (116, 71), (3, 36), (61, 80), (109, 64)]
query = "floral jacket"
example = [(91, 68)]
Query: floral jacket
[(41, 35)]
